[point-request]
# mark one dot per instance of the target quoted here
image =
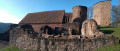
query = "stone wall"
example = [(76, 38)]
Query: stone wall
[(3, 44), (102, 13), (25, 38), (76, 44), (56, 44), (90, 29), (37, 27), (79, 14), (74, 26)]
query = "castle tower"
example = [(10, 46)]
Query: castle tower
[(102, 13), (79, 14)]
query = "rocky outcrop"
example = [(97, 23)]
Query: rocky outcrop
[(90, 29)]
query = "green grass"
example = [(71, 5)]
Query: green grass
[(112, 31), (11, 48), (110, 48)]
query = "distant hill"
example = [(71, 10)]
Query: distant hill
[(4, 26)]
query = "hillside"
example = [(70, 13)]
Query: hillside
[(112, 31), (4, 26)]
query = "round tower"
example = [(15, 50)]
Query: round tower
[(79, 14)]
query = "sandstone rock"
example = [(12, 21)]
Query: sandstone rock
[(90, 29)]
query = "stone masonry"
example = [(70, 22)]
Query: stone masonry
[(79, 14), (90, 29), (102, 13), (24, 37), (60, 31)]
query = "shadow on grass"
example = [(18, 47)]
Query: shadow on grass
[(106, 27), (107, 31)]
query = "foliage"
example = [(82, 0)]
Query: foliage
[(116, 15), (11, 48)]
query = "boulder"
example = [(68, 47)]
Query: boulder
[(90, 29)]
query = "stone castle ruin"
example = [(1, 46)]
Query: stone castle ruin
[(54, 21), (102, 13), (59, 31), (90, 29)]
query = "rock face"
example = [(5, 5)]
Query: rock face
[(90, 29)]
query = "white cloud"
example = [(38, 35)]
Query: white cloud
[(7, 17)]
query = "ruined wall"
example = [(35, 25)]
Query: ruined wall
[(24, 37), (56, 44), (37, 27), (76, 44), (4, 44), (79, 14), (102, 13), (90, 28), (74, 26)]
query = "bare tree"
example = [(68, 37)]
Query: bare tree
[(116, 15), (90, 12)]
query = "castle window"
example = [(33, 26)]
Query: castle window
[(65, 19), (68, 19), (80, 13)]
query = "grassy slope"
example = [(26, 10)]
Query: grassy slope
[(11, 48), (112, 31), (110, 48)]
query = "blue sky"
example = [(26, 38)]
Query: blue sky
[(12, 11)]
